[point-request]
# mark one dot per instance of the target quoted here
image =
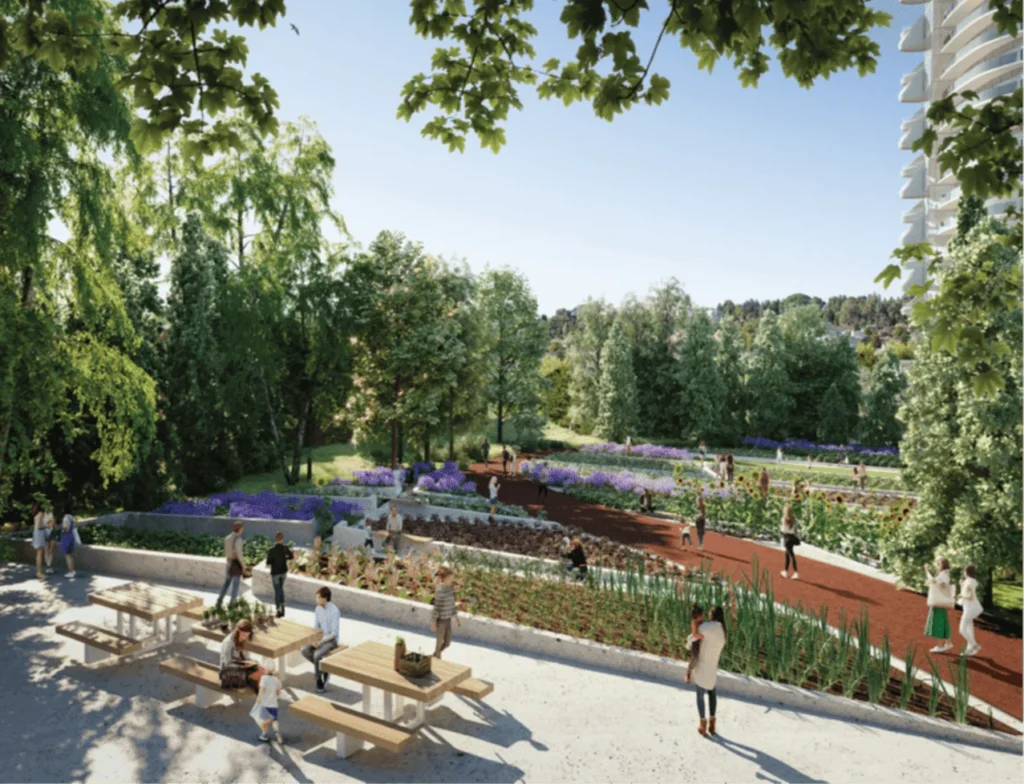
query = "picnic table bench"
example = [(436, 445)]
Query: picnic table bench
[(351, 728), (99, 643), (205, 677)]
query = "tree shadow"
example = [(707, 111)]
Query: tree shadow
[(499, 728), (772, 768)]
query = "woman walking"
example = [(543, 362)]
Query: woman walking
[(542, 482), (40, 533), (504, 460), (68, 540), (764, 482), (789, 540), (485, 450), (705, 672), (940, 600), (972, 609), (492, 492)]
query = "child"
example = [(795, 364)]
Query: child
[(444, 609), (693, 641), (687, 538), (266, 703)]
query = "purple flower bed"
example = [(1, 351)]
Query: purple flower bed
[(810, 446), (447, 479), (375, 477), (640, 450), (623, 481), (265, 505)]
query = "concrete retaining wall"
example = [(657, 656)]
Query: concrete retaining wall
[(299, 531), (428, 511)]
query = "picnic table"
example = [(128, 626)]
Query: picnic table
[(279, 639), (151, 603), (373, 665)]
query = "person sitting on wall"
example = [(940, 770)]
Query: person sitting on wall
[(577, 560)]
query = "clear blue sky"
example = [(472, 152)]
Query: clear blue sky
[(738, 193)]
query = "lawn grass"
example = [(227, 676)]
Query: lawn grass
[(553, 432), (329, 461), (841, 470), (1008, 595)]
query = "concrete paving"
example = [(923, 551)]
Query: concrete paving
[(546, 721)]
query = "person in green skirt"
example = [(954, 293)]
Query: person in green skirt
[(940, 600)]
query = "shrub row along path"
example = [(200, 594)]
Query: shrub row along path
[(995, 672)]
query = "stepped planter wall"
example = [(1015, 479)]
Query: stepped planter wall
[(410, 508), (299, 531)]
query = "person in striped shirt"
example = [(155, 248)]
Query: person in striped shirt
[(444, 609)]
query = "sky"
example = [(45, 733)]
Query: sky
[(738, 193)]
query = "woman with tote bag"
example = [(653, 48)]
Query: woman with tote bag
[(940, 601)]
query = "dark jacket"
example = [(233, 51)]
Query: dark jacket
[(578, 558), (278, 557)]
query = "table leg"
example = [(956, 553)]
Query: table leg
[(346, 745), (367, 700), (131, 626), (399, 705), (389, 712), (282, 667), (421, 717), (168, 634), (120, 623)]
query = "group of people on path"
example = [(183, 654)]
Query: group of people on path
[(508, 457), (47, 537)]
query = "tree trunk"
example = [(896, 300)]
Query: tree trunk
[(241, 237), (273, 427), (451, 429), (501, 418), (394, 428), (401, 443), (426, 447), (170, 198), (300, 439), (988, 597)]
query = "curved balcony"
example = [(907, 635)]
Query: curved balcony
[(917, 37), (957, 12), (971, 25), (913, 275), (915, 86), (914, 214), (913, 127), (945, 202), (914, 167), (942, 231), (917, 186), (913, 235), (1006, 63), (982, 46)]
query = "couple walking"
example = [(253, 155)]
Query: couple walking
[(941, 600)]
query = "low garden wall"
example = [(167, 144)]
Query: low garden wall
[(428, 511), (299, 531)]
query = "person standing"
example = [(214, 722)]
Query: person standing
[(686, 538), (237, 672), (399, 478), (972, 609), (40, 532), (778, 455), (485, 450), (234, 562), (277, 559), (703, 449), (701, 521), (68, 541), (542, 482), (267, 704), (52, 540), (629, 445), (578, 559), (512, 460), (730, 467), (445, 609), (790, 540), (863, 470), (504, 460), (393, 528), (705, 673), (492, 492), (764, 483), (326, 618), (940, 600)]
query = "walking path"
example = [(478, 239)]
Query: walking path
[(546, 720), (995, 672)]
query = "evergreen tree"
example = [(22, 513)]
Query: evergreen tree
[(879, 425), (701, 390), (585, 353), (768, 381), (729, 362), (962, 452), (200, 454), (617, 401), (555, 372), (656, 326)]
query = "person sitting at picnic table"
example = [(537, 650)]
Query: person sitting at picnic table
[(237, 672), (393, 528), (646, 502), (326, 618), (577, 559)]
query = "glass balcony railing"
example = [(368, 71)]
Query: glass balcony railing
[(975, 14), (1000, 89), (1016, 56), (983, 38), (951, 9)]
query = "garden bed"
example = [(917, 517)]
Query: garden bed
[(784, 647), (840, 479), (473, 503)]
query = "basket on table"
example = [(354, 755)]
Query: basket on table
[(414, 665)]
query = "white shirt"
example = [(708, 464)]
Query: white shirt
[(705, 671), (328, 620), (269, 686), (969, 595), (228, 651), (394, 523), (233, 548)]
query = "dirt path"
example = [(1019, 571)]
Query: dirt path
[(995, 672)]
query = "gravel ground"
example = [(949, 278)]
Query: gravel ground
[(546, 721)]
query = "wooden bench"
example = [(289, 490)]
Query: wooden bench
[(474, 688), (205, 677), (351, 728), (99, 643)]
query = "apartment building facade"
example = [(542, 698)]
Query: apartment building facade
[(962, 50)]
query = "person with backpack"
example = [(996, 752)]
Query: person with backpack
[(277, 559)]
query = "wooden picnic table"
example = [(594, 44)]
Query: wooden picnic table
[(373, 665), (151, 603), (279, 639)]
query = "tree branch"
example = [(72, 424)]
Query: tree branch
[(650, 61)]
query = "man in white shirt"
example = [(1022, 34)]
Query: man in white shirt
[(326, 618), (234, 563), (393, 528)]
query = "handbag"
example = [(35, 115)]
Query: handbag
[(236, 569), (940, 595)]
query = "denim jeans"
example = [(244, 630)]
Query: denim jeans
[(234, 581), (712, 701), (316, 654), (278, 581)]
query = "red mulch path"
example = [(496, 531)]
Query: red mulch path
[(995, 672)]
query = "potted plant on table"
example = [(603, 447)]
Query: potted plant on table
[(399, 652)]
